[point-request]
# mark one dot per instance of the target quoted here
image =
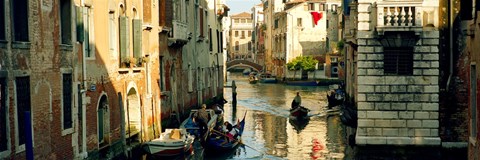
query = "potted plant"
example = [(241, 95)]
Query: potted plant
[(133, 62), (125, 62)]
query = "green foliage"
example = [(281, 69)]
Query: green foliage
[(304, 63)]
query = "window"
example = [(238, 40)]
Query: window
[(311, 6), (327, 23), (123, 44), (236, 33), (190, 79), (243, 35), (161, 12), (299, 22), (473, 101), (23, 105), (161, 83), (112, 34), (219, 41), (89, 33), (20, 20), (249, 46), (210, 42), (236, 21), (2, 21), (237, 46), (137, 40), (334, 8), (3, 115), (147, 11), (398, 60), (67, 101), (249, 33), (200, 11), (322, 7), (66, 21), (466, 10), (276, 23)]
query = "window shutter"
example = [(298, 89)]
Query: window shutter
[(123, 37), (79, 16), (137, 38)]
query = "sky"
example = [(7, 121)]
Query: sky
[(239, 6)]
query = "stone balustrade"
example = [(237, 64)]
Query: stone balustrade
[(180, 30), (400, 16)]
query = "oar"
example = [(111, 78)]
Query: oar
[(238, 141)]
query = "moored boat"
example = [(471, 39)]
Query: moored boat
[(172, 142), (267, 78), (335, 97), (252, 79), (301, 83)]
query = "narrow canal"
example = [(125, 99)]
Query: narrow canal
[(269, 134)]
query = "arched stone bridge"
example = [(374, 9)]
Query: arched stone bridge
[(244, 63)]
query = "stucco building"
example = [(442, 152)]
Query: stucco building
[(241, 30)]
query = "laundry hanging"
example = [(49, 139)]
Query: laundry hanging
[(316, 16)]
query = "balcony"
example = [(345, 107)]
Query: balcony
[(179, 36), (401, 16)]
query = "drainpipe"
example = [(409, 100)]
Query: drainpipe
[(84, 90), (450, 42)]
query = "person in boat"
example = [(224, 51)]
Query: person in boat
[(230, 131), (297, 101), (202, 119)]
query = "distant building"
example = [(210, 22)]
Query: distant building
[(258, 34), (241, 30)]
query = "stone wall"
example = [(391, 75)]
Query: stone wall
[(396, 109)]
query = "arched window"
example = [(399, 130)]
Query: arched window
[(237, 46)]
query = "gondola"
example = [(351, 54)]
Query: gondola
[(335, 97), (297, 111), (218, 141)]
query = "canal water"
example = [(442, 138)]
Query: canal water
[(270, 134)]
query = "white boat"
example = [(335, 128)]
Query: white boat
[(172, 142)]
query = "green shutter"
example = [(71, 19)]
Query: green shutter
[(123, 37), (79, 15), (137, 38)]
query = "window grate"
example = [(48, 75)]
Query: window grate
[(67, 101), (23, 105), (398, 60)]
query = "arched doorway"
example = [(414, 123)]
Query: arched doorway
[(133, 116), (103, 121)]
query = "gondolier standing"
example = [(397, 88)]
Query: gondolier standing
[(297, 101), (202, 119)]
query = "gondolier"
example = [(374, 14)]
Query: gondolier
[(297, 101), (202, 119)]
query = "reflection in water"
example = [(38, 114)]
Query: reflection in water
[(299, 124), (269, 134)]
